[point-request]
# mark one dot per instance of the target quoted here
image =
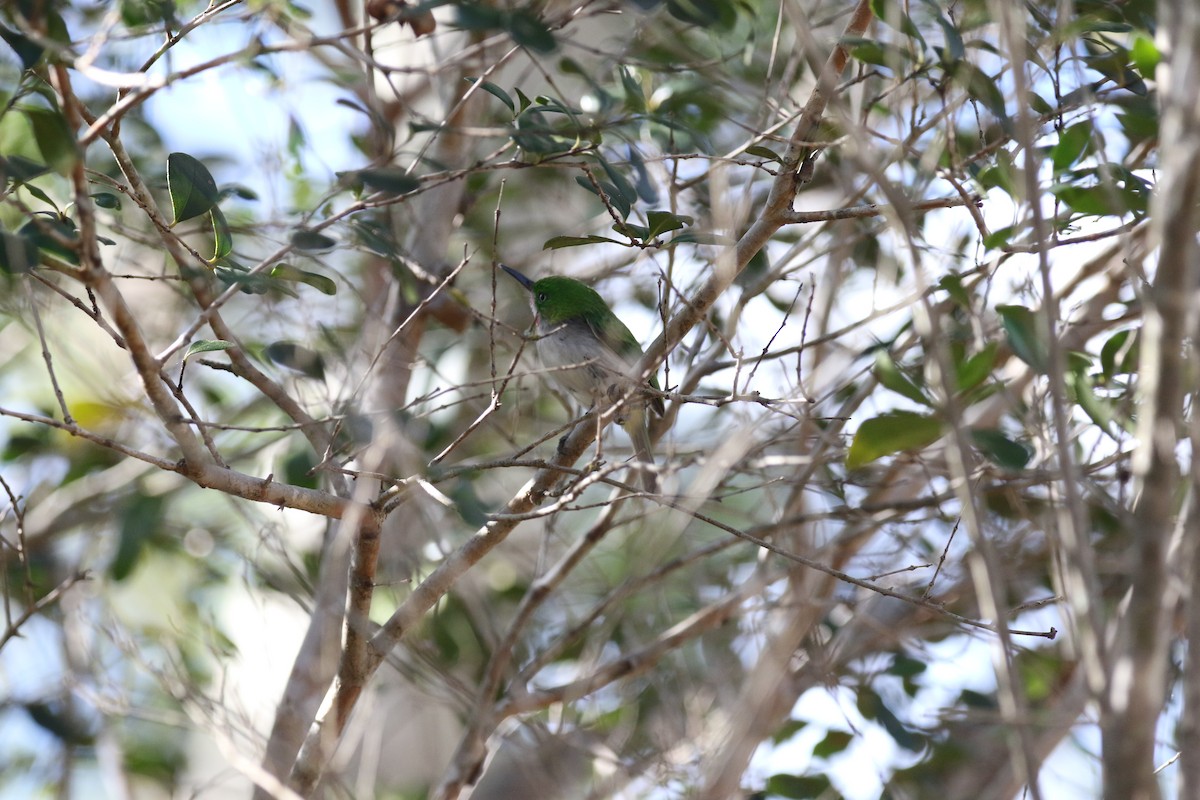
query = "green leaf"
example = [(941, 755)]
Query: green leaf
[(660, 222), (497, 92), (191, 186), (952, 284), (1024, 332), (871, 706), (230, 274), (620, 183), (890, 376), (891, 433), (19, 169), (390, 180), (528, 30), (1071, 145), (763, 152), (1000, 450), (1119, 355), (798, 787), (975, 370), (1145, 54), (833, 743), (788, 730), (207, 346), (48, 231), (27, 50), (222, 236), (980, 86), (54, 137), (107, 200), (559, 242), (618, 201), (1100, 411), (304, 239), (298, 358), (286, 272), (891, 14), (635, 99), (954, 42), (140, 520), (17, 253)]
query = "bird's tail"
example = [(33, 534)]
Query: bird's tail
[(636, 425)]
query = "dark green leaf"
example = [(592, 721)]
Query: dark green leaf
[(1119, 355), (1072, 144), (107, 200), (635, 99), (788, 730), (479, 17), (496, 92), (28, 51), (660, 222), (975, 370), (559, 242), (798, 787), (891, 14), (1000, 450), (980, 86), (19, 169), (891, 433), (620, 183), (833, 743), (49, 233), (17, 253), (1024, 331), (54, 137), (304, 239), (140, 520), (298, 358), (890, 376), (287, 272), (528, 30), (191, 186), (390, 180), (234, 274)]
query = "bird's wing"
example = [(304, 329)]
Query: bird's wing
[(618, 338)]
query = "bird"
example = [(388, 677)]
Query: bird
[(591, 354)]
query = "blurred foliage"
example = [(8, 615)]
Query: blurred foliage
[(637, 160)]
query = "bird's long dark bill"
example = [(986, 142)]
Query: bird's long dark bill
[(528, 284)]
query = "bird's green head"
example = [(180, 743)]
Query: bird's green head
[(557, 298)]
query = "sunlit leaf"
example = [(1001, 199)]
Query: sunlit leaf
[(891, 433), (206, 346), (222, 235)]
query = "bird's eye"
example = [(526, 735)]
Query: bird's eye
[(541, 297)]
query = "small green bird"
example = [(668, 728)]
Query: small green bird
[(591, 354)]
